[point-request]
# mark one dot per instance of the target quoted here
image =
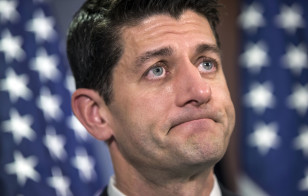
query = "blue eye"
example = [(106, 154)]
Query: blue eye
[(207, 66), (156, 72)]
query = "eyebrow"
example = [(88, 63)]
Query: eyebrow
[(168, 51), (208, 48), (165, 51)]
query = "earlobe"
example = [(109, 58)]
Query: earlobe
[(92, 112)]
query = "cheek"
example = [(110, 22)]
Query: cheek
[(137, 114), (222, 94), (229, 106), (151, 103), (223, 100)]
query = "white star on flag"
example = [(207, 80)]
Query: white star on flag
[(255, 56), (260, 97), (37, 145), (8, 11), (23, 168), (16, 86), (50, 105), (46, 65), (264, 137), (19, 126), (298, 100), (55, 144), (85, 165), (274, 67), (11, 47), (300, 142), (42, 27), (296, 58), (59, 182), (303, 184), (80, 132), (70, 83), (290, 18), (252, 17)]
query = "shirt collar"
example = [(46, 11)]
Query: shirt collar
[(216, 188), (114, 191)]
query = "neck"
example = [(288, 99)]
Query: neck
[(148, 181)]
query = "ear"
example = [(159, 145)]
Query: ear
[(91, 110)]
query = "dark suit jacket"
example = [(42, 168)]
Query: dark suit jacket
[(224, 192)]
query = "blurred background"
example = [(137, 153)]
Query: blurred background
[(45, 151)]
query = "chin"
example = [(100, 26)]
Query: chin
[(207, 154)]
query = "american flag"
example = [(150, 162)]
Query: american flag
[(44, 150), (274, 73)]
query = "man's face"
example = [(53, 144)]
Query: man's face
[(171, 106)]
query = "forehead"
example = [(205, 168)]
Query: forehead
[(159, 30)]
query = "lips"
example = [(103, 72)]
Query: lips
[(194, 118)]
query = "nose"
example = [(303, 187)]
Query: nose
[(191, 87)]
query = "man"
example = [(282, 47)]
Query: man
[(150, 84)]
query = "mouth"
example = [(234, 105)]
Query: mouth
[(197, 121)]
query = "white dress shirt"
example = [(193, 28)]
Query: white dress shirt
[(114, 191)]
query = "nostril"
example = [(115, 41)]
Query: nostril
[(193, 102)]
